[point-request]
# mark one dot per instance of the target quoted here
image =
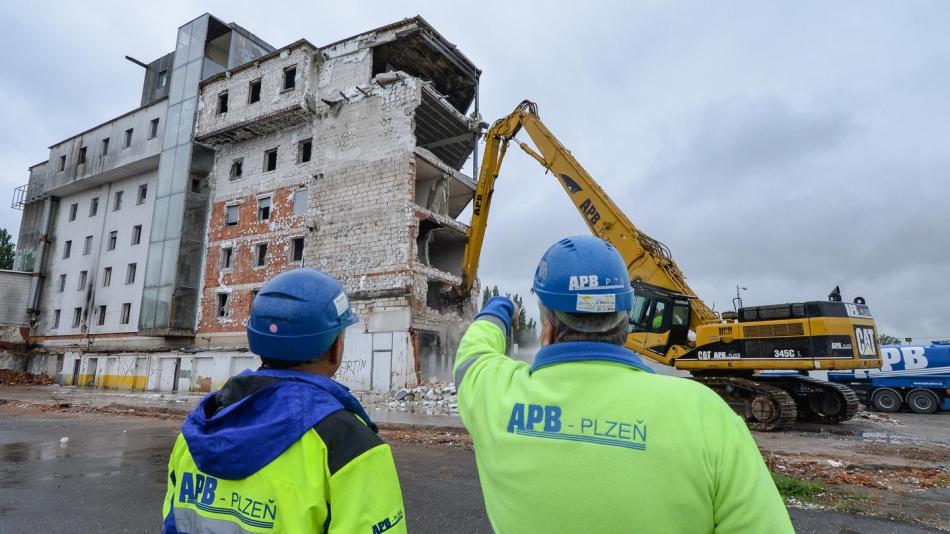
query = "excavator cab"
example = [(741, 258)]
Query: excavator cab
[(659, 311)]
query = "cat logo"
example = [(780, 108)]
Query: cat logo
[(865, 338)]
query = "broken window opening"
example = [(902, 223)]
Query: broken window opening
[(117, 203), (438, 295), (72, 211), (227, 258), (130, 274), (128, 138), (136, 234), (250, 301), (82, 280), (56, 314), (162, 78), (290, 78), (126, 312), (237, 169), (153, 129), (440, 246), (142, 194), (113, 237), (296, 250), (270, 160), (101, 315), (223, 299), (232, 214), (94, 207), (107, 277), (67, 248), (82, 156), (62, 163), (263, 208), (254, 91), (62, 283), (260, 254), (105, 146), (87, 246), (77, 317), (304, 150), (222, 102)]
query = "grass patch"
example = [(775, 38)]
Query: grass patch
[(798, 489)]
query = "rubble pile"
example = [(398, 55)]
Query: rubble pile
[(433, 398), (879, 477), (9, 377)]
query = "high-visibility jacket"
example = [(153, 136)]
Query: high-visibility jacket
[(589, 440), (281, 452)]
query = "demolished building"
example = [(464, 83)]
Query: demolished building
[(149, 235)]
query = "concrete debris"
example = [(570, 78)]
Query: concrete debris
[(835, 463), (433, 398), (876, 417), (64, 439), (9, 377)]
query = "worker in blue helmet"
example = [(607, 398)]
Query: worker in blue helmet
[(588, 439), (285, 448)]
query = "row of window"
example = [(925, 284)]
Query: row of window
[(104, 145), (288, 83), (130, 271), (265, 208), (117, 197), (100, 316), (304, 154), (113, 239), (295, 254)]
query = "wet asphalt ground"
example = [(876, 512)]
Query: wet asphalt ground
[(110, 477)]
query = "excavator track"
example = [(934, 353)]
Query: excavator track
[(817, 401), (763, 407)]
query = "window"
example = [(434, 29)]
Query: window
[(263, 209), (260, 254), (105, 146), (82, 280), (62, 283), (94, 207), (223, 301), (67, 248), (136, 234), (72, 211), (77, 317), (117, 204), (82, 156), (250, 301), (232, 214), (300, 201), (143, 193), (296, 249), (101, 319), (113, 237), (222, 103), (304, 149), (130, 274), (254, 91), (128, 138), (237, 168), (162, 78), (87, 246), (126, 312), (153, 129), (62, 163), (55, 321), (270, 160), (290, 78), (227, 258), (107, 277)]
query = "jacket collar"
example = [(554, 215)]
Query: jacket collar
[(334, 388), (587, 351)]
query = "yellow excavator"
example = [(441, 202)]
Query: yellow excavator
[(671, 325)]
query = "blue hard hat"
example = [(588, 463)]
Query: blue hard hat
[(583, 274), (297, 315)]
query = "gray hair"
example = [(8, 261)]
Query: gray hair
[(604, 327)]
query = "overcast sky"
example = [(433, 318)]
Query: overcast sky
[(787, 149)]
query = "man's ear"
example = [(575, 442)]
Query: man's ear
[(547, 332), (335, 354)]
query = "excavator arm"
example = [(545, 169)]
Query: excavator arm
[(651, 268)]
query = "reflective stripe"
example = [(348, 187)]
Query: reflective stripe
[(460, 372), (188, 520)]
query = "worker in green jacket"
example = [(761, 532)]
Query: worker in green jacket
[(587, 439), (285, 449)]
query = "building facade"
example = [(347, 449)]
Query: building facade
[(149, 235)]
